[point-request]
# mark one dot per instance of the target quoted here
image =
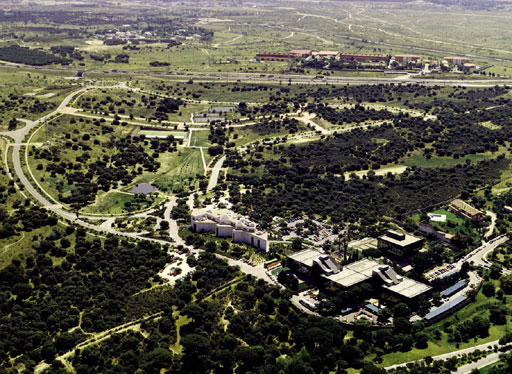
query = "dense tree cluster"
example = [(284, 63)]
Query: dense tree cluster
[(355, 150), (87, 175), (41, 300), (24, 55), (278, 189), (355, 114)]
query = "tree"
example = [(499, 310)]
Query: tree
[(401, 310), (211, 246), (495, 271), (215, 150), (506, 283), (297, 244), (488, 289), (157, 359), (164, 225), (421, 340)]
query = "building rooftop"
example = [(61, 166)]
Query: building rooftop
[(363, 55), (408, 288), (347, 278), (455, 288), (446, 307), (399, 238), (328, 53), (355, 273), (301, 51), (461, 205), (306, 256)]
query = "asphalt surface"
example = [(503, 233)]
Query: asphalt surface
[(234, 77), (214, 178)]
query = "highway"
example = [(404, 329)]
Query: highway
[(284, 78)]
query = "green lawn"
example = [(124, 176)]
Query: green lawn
[(111, 202), (449, 216), (436, 161), (200, 138)]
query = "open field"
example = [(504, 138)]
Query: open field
[(200, 138)]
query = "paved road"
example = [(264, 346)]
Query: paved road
[(446, 356), (212, 183), (483, 362), (234, 77), (479, 253)]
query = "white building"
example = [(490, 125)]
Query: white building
[(228, 224)]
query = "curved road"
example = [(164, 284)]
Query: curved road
[(215, 174)]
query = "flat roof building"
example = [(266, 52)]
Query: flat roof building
[(446, 309), (323, 266), (225, 223), (398, 243)]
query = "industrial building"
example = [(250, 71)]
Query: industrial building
[(399, 243), (228, 224), (447, 309)]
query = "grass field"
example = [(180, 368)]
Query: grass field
[(178, 170), (436, 161), (200, 138), (112, 202)]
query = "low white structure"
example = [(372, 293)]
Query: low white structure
[(228, 224)]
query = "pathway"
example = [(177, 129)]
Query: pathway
[(490, 230)]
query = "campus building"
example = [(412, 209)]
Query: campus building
[(323, 267), (228, 224), (301, 53), (405, 59), (464, 210), (363, 57), (270, 56), (459, 61), (325, 55), (399, 243)]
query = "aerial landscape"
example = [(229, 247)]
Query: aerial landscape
[(267, 187)]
